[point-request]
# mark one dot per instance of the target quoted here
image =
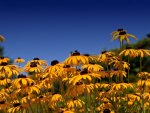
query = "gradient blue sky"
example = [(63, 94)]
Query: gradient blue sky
[(51, 29)]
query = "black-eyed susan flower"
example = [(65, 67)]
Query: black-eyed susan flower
[(4, 105), (19, 60), (129, 52), (84, 75), (114, 33), (117, 73), (79, 89), (91, 67), (105, 107), (9, 70), (22, 81), (17, 106), (75, 103), (122, 65), (33, 67), (76, 59), (143, 52), (143, 83), (143, 75), (123, 35), (54, 100), (133, 97), (39, 61), (105, 56), (4, 59), (52, 71), (4, 81), (121, 86)]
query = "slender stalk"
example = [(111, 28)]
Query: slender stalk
[(32, 111), (140, 64), (128, 70)]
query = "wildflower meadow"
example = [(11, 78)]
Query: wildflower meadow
[(82, 83)]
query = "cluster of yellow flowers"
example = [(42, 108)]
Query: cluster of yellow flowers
[(81, 84)]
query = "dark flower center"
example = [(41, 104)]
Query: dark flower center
[(120, 29), (49, 90), (75, 53), (36, 59), (103, 52), (19, 58), (2, 102), (1, 57), (2, 78), (148, 35), (41, 96), (91, 63), (54, 62), (66, 66), (106, 111), (16, 104), (33, 64), (85, 71), (32, 84), (21, 76), (86, 54), (122, 33), (4, 64), (74, 98), (79, 83)]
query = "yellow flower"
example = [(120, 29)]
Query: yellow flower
[(4, 105), (22, 81), (1, 38), (114, 33), (39, 61), (142, 83), (129, 52), (17, 106), (103, 74), (121, 86), (105, 107), (33, 67), (4, 59), (84, 75), (146, 96), (9, 70), (143, 52), (73, 103), (76, 59), (19, 60), (105, 56), (143, 75), (53, 70), (133, 97), (93, 67), (4, 81), (123, 35), (56, 98), (79, 89), (122, 65), (118, 73)]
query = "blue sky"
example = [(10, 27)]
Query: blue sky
[(51, 29)]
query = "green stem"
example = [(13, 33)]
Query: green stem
[(128, 70), (140, 64)]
